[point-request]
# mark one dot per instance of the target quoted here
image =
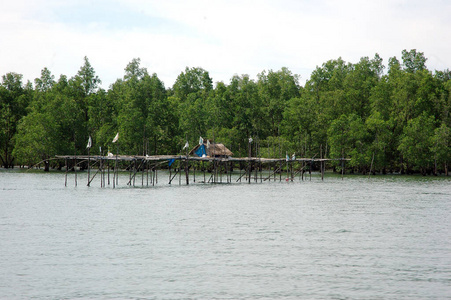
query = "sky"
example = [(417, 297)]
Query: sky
[(224, 37)]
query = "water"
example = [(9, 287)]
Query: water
[(383, 238)]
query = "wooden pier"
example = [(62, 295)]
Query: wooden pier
[(207, 169)]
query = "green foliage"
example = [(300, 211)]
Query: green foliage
[(416, 141), (441, 145), (14, 99), (398, 120)]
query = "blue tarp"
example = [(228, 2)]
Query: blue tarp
[(200, 151)]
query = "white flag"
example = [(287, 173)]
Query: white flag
[(186, 145), (116, 138), (250, 140), (208, 144), (89, 143), (201, 141), (293, 157), (287, 158)]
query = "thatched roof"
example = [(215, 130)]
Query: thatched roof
[(213, 149)]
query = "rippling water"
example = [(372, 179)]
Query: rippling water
[(383, 238)]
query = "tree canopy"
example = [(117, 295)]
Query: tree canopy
[(398, 120)]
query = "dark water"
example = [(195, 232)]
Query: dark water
[(383, 238)]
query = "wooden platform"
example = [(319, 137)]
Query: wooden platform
[(250, 168)]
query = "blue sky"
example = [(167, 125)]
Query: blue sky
[(223, 37)]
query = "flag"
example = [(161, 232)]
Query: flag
[(89, 143), (116, 138), (288, 158), (201, 141), (171, 161), (293, 157), (208, 144), (250, 140), (186, 145)]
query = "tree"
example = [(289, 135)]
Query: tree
[(143, 114), (82, 85), (46, 82), (192, 90), (416, 141), (413, 61), (14, 99), (274, 90), (348, 136), (441, 145)]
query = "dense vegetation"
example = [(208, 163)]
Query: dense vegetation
[(398, 120)]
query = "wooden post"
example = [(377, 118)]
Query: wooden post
[(89, 165), (108, 163), (302, 171), (65, 177), (250, 171), (310, 170), (100, 169), (147, 172), (240, 170), (194, 171), (187, 170), (286, 158), (275, 171), (75, 170)]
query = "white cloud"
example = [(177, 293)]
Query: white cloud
[(223, 37)]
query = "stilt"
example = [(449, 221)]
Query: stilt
[(75, 170), (187, 171), (101, 175), (203, 167), (180, 171), (302, 171), (89, 165), (108, 163), (310, 170), (65, 176)]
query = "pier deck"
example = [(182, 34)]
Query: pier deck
[(250, 168)]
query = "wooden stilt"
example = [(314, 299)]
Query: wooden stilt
[(187, 171), (89, 165), (108, 166), (65, 176)]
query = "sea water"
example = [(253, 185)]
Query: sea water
[(384, 237)]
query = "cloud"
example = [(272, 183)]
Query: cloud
[(223, 37)]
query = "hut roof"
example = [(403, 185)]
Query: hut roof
[(213, 149)]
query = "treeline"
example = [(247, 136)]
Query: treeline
[(393, 120)]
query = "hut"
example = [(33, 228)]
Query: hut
[(209, 149)]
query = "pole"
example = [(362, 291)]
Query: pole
[(89, 164), (65, 177)]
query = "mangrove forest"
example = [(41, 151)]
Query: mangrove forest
[(385, 119)]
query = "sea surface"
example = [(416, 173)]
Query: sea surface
[(384, 237)]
